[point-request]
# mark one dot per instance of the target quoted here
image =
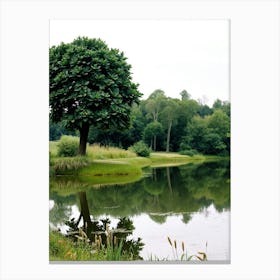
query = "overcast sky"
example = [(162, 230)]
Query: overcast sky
[(171, 55)]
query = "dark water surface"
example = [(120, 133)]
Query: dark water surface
[(189, 203)]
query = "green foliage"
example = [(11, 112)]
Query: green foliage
[(222, 105), (141, 149), (110, 244), (56, 130), (153, 129), (68, 146), (208, 135), (63, 248), (204, 110), (185, 95), (90, 84)]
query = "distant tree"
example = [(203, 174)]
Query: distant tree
[(185, 95), (219, 123), (223, 105), (169, 117), (154, 103), (90, 84), (186, 110), (151, 132), (153, 106), (218, 104), (204, 110), (208, 135)]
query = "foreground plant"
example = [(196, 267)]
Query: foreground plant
[(201, 256), (102, 243)]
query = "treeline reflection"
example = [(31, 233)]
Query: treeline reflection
[(162, 192)]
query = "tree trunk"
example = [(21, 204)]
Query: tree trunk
[(155, 143), (168, 137), (83, 139)]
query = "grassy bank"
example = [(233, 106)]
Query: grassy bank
[(106, 164)]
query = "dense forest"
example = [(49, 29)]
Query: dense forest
[(167, 124)]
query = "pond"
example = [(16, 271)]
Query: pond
[(188, 203)]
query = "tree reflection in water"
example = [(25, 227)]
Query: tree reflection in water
[(93, 231), (167, 191)]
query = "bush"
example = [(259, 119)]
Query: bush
[(141, 149), (68, 146), (190, 152)]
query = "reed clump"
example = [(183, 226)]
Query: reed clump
[(69, 163), (201, 256)]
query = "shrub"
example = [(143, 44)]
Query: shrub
[(141, 149), (68, 146)]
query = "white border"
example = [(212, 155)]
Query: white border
[(255, 137)]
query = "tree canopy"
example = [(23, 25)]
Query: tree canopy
[(90, 84)]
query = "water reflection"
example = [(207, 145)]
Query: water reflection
[(163, 192)]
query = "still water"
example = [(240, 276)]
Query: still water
[(188, 203)]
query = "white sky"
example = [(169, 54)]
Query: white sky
[(171, 55)]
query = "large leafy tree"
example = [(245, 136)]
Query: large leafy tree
[(90, 84)]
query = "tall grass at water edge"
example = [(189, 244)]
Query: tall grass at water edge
[(97, 151), (94, 152), (183, 256), (100, 152), (62, 248)]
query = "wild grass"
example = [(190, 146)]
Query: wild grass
[(97, 151), (179, 252), (183, 256), (62, 248), (69, 163), (101, 152)]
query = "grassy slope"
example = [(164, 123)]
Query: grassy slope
[(114, 162)]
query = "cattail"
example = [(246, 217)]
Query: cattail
[(183, 246), (175, 244), (169, 240), (115, 240)]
